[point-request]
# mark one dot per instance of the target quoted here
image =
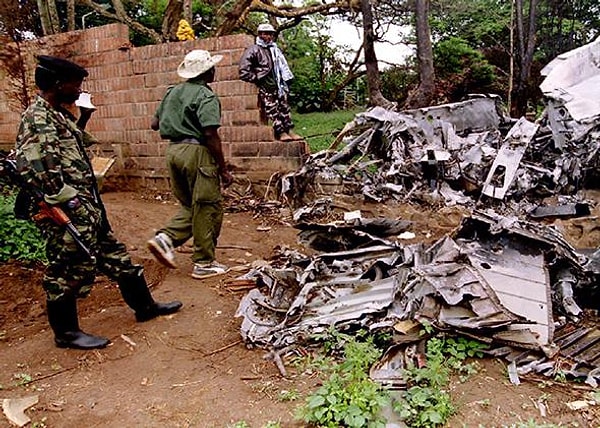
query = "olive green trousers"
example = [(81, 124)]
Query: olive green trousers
[(196, 185)]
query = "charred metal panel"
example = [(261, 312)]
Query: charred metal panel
[(581, 345), (474, 115)]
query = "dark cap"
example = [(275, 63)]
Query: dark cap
[(63, 69)]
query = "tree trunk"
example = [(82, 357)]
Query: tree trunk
[(53, 14), (511, 63), (187, 11), (376, 98), (44, 17), (425, 92), (520, 29), (527, 48), (173, 13), (70, 15)]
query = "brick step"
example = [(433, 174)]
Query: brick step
[(239, 134), (268, 149)]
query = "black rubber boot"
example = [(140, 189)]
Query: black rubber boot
[(136, 294), (62, 316)]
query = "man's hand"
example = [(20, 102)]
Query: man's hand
[(86, 111), (72, 204), (85, 114), (226, 177)]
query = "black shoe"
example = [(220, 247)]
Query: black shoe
[(157, 309), (62, 316), (136, 294), (80, 340)]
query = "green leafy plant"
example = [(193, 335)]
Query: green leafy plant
[(23, 379), (25, 243), (348, 398), (427, 403), (560, 376), (460, 348)]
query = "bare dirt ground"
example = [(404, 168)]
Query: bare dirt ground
[(191, 369)]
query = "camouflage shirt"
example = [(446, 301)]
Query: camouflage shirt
[(49, 153)]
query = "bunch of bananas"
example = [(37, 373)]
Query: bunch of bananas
[(185, 31)]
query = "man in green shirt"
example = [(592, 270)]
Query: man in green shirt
[(189, 117)]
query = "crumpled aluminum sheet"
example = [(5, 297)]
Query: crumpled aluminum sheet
[(386, 157), (378, 285), (573, 79)]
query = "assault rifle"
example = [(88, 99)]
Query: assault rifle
[(29, 194)]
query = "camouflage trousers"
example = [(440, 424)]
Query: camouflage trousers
[(276, 108), (70, 270), (196, 184)]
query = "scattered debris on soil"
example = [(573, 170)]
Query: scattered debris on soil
[(503, 276)]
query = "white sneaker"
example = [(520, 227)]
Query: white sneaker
[(206, 270), (162, 248)]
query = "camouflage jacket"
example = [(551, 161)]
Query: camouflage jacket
[(50, 154)]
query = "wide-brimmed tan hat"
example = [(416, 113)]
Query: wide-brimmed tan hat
[(197, 62), (265, 28)]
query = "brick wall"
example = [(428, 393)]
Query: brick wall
[(127, 84)]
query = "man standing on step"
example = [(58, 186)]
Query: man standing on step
[(51, 158), (264, 65), (189, 116)]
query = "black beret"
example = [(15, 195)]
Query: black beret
[(63, 69)]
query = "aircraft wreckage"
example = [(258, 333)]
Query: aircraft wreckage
[(502, 277)]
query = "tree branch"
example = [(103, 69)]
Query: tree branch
[(235, 18), (341, 6), (121, 16)]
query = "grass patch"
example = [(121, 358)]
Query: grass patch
[(320, 129)]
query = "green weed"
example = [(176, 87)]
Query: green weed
[(426, 403), (348, 397), (560, 376), (25, 243), (39, 424), (23, 379)]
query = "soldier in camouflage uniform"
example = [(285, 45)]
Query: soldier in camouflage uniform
[(264, 65), (50, 153)]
